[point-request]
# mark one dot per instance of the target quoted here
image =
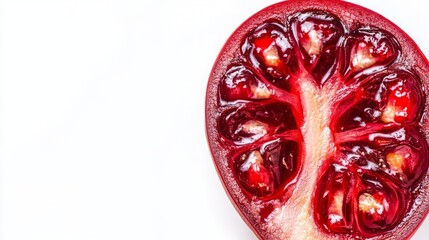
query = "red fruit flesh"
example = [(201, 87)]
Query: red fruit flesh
[(316, 120)]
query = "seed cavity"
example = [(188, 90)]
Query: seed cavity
[(254, 175), (399, 106), (254, 127), (260, 92), (369, 48), (269, 51), (314, 45), (396, 161), (362, 56), (371, 205), (336, 208)]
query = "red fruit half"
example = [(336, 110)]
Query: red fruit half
[(316, 116)]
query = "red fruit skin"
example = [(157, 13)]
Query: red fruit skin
[(410, 54)]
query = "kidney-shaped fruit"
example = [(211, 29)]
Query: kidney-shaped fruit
[(316, 117)]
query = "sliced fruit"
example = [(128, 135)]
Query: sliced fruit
[(316, 117)]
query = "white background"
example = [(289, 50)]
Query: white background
[(102, 116)]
